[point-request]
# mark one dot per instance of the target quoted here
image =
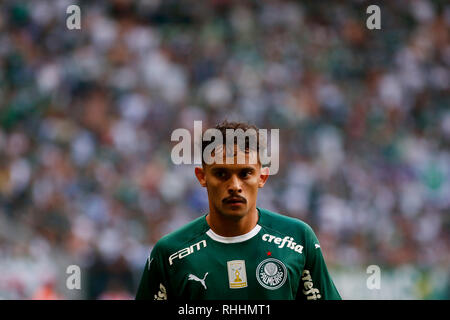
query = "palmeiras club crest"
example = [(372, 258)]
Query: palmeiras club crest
[(271, 273)]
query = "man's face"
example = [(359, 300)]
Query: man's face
[(232, 188)]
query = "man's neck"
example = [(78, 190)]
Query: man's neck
[(228, 227)]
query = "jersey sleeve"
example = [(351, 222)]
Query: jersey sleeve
[(315, 282), (154, 284)]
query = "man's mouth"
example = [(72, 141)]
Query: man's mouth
[(234, 200)]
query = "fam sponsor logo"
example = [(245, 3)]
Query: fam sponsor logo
[(281, 242), (187, 251)]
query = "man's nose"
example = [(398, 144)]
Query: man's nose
[(235, 185)]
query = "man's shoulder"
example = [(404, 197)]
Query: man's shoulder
[(183, 235), (283, 224)]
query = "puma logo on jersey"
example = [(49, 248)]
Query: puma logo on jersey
[(195, 278), (317, 245), (187, 251)]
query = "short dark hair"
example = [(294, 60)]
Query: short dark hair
[(224, 125)]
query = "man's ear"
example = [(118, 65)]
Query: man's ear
[(200, 174), (263, 177)]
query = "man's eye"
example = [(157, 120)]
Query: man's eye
[(220, 174), (246, 173)]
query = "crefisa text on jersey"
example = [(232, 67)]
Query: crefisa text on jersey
[(227, 309), (289, 241)]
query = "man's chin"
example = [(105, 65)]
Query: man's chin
[(235, 211)]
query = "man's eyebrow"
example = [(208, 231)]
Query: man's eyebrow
[(229, 169), (214, 169), (219, 169)]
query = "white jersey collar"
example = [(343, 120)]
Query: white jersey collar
[(236, 239)]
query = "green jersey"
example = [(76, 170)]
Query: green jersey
[(279, 259)]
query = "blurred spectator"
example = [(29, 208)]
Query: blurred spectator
[(47, 291)]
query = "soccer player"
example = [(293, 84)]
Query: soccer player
[(237, 250)]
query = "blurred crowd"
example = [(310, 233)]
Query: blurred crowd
[(86, 118)]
